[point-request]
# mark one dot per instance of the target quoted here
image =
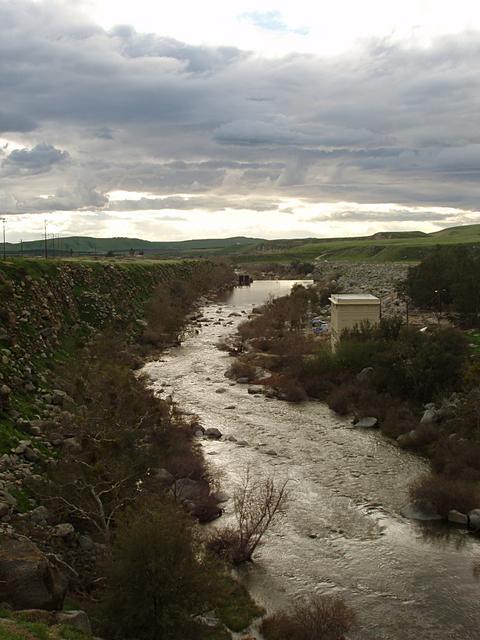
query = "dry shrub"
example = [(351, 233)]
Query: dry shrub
[(241, 369), (425, 434), (458, 458), (343, 399), (291, 390), (398, 420), (225, 543), (318, 618), (293, 345), (258, 501), (445, 493)]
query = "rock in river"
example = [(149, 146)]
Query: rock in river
[(367, 423), (213, 432)]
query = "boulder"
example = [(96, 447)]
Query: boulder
[(188, 489), (408, 439), (420, 510), (72, 445), (367, 423), (6, 496), (86, 543), (40, 514), (164, 477), (255, 390), (429, 416), (76, 619), (474, 519), (5, 391), (220, 496), (457, 517), (365, 374), (58, 396), (63, 530), (213, 432), (28, 579)]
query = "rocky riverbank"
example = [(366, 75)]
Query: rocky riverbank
[(61, 326)]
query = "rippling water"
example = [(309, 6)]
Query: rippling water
[(342, 532)]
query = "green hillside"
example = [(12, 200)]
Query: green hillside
[(380, 247), (467, 231), (83, 244)]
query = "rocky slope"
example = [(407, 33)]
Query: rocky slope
[(49, 311)]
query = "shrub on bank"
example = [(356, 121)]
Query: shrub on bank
[(318, 618), (446, 493), (241, 369), (155, 578)]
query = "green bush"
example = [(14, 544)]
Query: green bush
[(449, 278), (155, 577)]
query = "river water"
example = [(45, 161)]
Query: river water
[(342, 533)]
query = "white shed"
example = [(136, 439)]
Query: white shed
[(350, 309)]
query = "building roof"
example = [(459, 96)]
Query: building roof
[(354, 298)]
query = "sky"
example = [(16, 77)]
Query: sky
[(169, 121)]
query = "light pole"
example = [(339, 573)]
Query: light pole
[(4, 222), (45, 239)]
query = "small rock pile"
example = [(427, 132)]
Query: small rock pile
[(379, 279)]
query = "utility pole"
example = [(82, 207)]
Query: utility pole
[(4, 222), (21, 248), (45, 250)]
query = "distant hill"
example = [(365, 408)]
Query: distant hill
[(383, 246), (86, 245), (466, 232)]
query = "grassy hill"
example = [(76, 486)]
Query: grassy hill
[(87, 245), (380, 247)]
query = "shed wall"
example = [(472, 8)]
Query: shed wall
[(346, 316)]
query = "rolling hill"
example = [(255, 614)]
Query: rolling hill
[(379, 247)]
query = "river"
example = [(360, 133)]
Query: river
[(342, 533)]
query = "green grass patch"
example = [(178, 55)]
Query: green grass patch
[(19, 630), (22, 498), (235, 607), (70, 633), (474, 340), (9, 436)]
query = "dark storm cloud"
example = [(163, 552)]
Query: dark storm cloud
[(142, 112), (15, 122), (37, 160)]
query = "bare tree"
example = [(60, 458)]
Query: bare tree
[(258, 501)]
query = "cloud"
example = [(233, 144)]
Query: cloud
[(40, 159), (392, 215), (205, 203), (15, 122), (220, 129)]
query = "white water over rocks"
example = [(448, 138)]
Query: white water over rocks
[(343, 532)]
